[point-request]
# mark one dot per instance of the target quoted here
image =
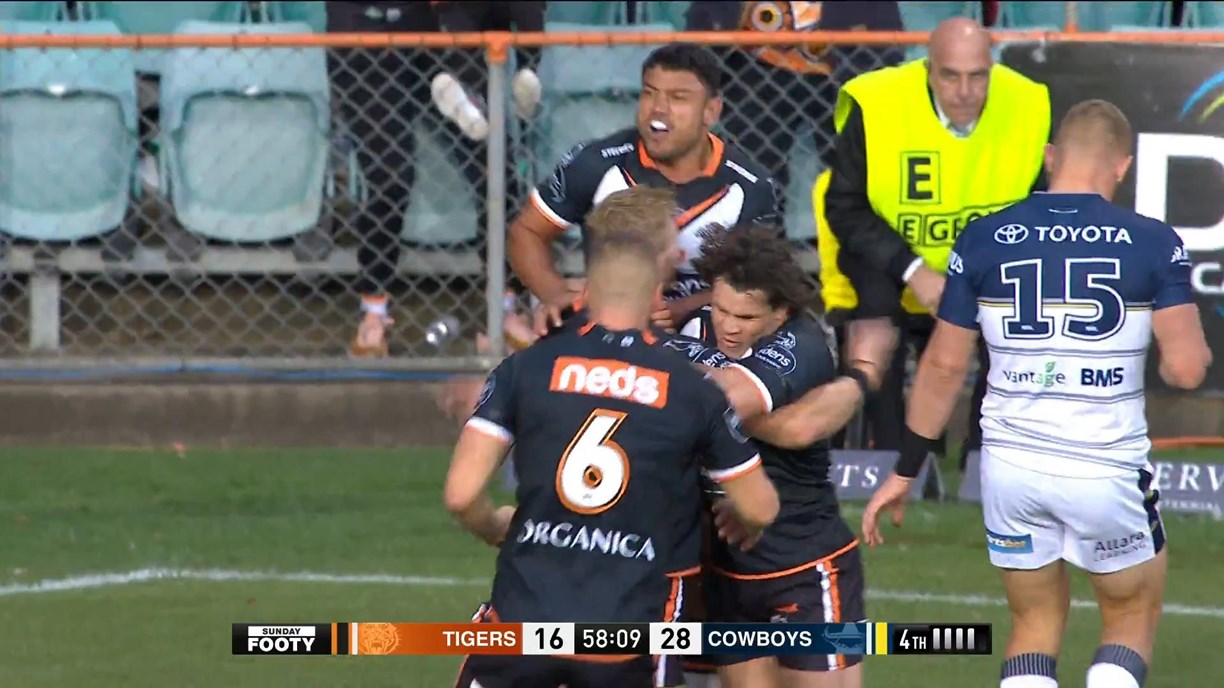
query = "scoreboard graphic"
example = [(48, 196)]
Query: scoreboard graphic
[(683, 639)]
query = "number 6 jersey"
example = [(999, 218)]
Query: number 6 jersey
[(1063, 287), (606, 428)]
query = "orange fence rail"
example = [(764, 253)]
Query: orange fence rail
[(499, 42)]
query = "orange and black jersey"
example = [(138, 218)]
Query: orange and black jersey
[(731, 190), (611, 434), (688, 555), (783, 367)]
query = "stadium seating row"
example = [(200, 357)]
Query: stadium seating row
[(73, 165), (244, 140)]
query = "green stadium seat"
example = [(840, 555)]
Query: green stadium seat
[(312, 13), (1127, 16), (159, 18), (68, 120), (442, 205), (804, 167), (1035, 16), (590, 13), (589, 91), (33, 11), (925, 16), (1204, 15), (245, 141), (663, 12)]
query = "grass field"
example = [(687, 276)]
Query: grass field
[(194, 522)]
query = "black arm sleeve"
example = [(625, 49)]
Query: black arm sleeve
[(858, 229)]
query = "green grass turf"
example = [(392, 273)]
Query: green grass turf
[(75, 512)]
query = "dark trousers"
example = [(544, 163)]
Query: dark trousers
[(382, 96)]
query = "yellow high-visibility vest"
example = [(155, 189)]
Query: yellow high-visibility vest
[(921, 178)]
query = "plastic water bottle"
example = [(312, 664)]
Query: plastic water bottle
[(442, 331)]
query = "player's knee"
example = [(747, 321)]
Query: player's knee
[(1116, 666), (1030, 670)]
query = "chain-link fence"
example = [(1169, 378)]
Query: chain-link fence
[(161, 199)]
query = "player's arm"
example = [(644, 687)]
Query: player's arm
[(941, 372), (556, 205), (1176, 324), (483, 444), (746, 392), (730, 459), (824, 410)]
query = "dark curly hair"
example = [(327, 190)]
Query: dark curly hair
[(749, 257)]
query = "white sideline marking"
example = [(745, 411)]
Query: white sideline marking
[(110, 580)]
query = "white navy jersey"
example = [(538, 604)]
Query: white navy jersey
[(1063, 287), (731, 190)]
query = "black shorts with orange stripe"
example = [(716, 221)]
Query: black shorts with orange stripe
[(830, 590)]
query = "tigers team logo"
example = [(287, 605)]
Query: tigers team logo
[(376, 638)]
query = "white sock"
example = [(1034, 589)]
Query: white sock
[(1028, 682), (1110, 676), (693, 680)]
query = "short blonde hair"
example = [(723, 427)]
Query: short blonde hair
[(646, 212), (1097, 124)]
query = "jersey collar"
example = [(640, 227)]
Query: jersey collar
[(716, 156), (647, 336)]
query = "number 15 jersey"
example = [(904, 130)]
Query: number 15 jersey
[(1063, 287), (605, 428)]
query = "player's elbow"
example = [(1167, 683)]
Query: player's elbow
[(1188, 370), (458, 499), (946, 364)]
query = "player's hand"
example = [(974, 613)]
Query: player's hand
[(928, 287), (502, 518), (731, 528), (662, 317), (548, 314), (891, 495), (869, 347)]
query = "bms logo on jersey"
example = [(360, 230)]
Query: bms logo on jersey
[(1098, 377)]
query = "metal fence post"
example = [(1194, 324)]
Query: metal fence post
[(495, 194)]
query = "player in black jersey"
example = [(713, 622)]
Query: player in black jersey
[(604, 426), (671, 146), (805, 567)]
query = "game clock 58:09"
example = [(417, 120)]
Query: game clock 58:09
[(611, 639)]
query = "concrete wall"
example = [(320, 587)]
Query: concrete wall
[(384, 414)]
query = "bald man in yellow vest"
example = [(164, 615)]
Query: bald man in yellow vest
[(922, 149)]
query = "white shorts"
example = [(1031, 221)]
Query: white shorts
[(1101, 525)]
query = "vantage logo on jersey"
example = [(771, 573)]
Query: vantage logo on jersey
[(302, 639), (1047, 377)]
